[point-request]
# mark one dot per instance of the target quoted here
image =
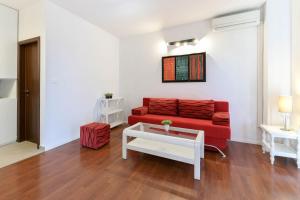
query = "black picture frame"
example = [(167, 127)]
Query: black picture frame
[(176, 81)]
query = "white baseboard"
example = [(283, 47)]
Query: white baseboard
[(248, 141), (60, 143), (7, 143)]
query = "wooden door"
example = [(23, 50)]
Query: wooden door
[(29, 91)]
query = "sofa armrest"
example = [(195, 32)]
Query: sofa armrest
[(221, 118), (140, 111)]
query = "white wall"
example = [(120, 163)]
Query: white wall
[(296, 60), (8, 42), (31, 25), (32, 21), (8, 74), (82, 63), (232, 67), (277, 57)]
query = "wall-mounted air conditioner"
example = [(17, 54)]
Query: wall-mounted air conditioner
[(245, 19)]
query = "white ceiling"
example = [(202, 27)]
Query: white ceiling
[(17, 4), (129, 17)]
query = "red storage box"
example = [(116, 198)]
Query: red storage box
[(94, 135)]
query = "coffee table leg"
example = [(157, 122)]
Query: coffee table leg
[(202, 147), (124, 146), (197, 160)]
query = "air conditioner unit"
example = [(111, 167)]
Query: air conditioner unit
[(246, 19)]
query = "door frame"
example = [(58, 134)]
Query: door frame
[(21, 43)]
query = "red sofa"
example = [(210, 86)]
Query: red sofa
[(213, 119)]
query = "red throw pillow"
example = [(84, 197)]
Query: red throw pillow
[(203, 109), (163, 106), (221, 118), (140, 111)]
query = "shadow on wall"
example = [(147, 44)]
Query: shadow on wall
[(97, 111), (296, 105), (196, 30)]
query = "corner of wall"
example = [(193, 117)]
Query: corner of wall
[(296, 62)]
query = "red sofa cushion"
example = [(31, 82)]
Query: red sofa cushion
[(221, 118), (146, 101), (160, 106), (221, 106), (203, 109), (210, 130), (140, 111)]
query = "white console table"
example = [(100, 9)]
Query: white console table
[(284, 148)]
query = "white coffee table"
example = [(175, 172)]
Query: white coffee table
[(180, 144)]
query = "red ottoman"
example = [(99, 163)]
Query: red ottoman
[(94, 135)]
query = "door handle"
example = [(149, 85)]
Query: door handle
[(27, 92)]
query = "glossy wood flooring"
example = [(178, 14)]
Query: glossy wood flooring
[(70, 172)]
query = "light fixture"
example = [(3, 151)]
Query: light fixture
[(285, 105), (192, 41), (196, 41)]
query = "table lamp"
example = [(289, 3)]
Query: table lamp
[(285, 105)]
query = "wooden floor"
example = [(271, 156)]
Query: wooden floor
[(71, 172)]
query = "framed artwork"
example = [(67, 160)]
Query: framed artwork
[(184, 68)]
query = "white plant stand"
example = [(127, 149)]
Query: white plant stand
[(111, 111), (284, 148), (152, 139)]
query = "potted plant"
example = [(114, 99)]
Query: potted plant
[(108, 95), (166, 124)]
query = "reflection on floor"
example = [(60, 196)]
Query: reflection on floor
[(16, 152)]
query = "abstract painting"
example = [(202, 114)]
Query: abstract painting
[(184, 68), (169, 69), (196, 67)]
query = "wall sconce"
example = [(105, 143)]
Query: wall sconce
[(192, 41)]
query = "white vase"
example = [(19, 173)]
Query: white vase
[(167, 127)]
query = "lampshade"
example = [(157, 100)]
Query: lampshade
[(285, 104)]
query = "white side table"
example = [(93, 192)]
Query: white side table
[(285, 149)]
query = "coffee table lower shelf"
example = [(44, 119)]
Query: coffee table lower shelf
[(179, 144), (162, 149)]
